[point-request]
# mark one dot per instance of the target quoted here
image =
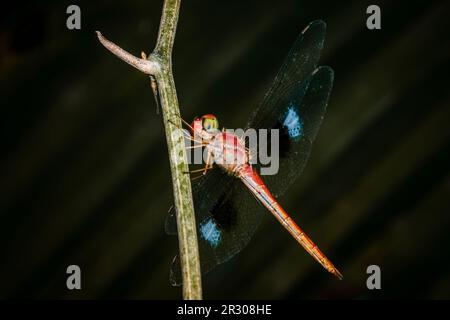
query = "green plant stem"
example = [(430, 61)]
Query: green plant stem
[(158, 65)]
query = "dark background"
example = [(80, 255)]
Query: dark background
[(84, 175)]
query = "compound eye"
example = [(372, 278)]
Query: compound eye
[(210, 124)]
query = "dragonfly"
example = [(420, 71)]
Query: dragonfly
[(227, 213)]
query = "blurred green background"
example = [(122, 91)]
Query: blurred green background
[(84, 176)]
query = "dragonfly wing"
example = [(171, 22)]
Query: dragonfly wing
[(170, 225), (298, 116), (221, 231), (226, 220), (206, 192), (296, 104), (301, 61)]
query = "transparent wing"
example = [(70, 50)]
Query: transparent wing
[(296, 104), (297, 114)]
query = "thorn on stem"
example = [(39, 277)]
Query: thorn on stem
[(150, 67)]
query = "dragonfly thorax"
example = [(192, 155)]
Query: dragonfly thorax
[(229, 152), (224, 148)]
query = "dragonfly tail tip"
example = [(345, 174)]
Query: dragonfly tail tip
[(338, 274)]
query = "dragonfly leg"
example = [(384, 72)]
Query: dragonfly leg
[(186, 135), (197, 177), (196, 146), (204, 170), (208, 163), (184, 121)]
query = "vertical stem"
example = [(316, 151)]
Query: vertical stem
[(167, 29), (159, 65), (187, 234)]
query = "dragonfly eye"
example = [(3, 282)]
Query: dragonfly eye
[(210, 123)]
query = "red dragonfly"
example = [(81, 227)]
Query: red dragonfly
[(227, 215)]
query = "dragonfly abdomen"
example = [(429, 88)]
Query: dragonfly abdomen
[(255, 184)]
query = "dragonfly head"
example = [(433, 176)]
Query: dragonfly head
[(207, 122)]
